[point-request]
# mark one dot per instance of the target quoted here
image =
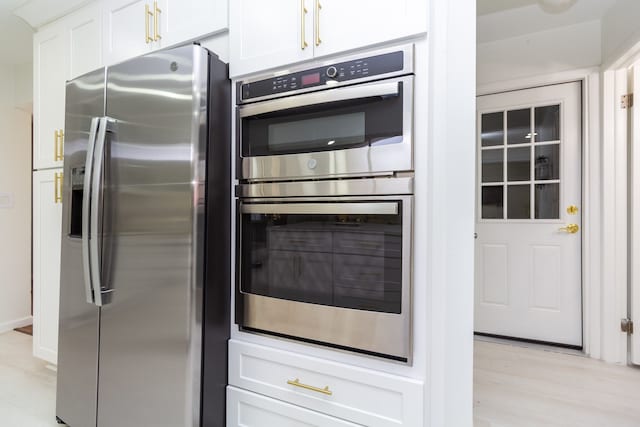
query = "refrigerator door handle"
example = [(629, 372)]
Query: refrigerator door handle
[(104, 126), (86, 206)]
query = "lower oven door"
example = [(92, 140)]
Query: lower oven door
[(332, 271)]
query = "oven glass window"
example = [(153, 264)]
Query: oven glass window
[(350, 261), (330, 126)]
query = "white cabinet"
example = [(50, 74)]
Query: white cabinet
[(47, 226), (361, 396), (246, 409), (135, 27), (267, 34), (191, 19), (345, 25), (49, 75), (62, 50)]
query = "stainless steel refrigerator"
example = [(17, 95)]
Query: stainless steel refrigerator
[(144, 294)]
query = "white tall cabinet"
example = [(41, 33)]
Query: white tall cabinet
[(62, 50)]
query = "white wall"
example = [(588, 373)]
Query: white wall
[(620, 29), (546, 52), (15, 186)]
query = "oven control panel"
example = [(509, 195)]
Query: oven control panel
[(319, 76)]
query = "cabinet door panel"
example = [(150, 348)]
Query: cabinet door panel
[(345, 25), (192, 19), (50, 73), (47, 226), (124, 29), (248, 409), (85, 40), (266, 34)]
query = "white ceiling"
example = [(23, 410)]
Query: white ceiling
[(505, 20), (485, 7), (16, 35)]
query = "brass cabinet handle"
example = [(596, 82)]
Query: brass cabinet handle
[(303, 41), (147, 13), (318, 7), (56, 139), (58, 145), (57, 187), (570, 228), (156, 17), (297, 383)]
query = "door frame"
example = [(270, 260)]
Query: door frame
[(594, 311)]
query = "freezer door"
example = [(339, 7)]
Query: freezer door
[(154, 172), (79, 319)]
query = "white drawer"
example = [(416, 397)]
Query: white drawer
[(359, 395), (246, 409)]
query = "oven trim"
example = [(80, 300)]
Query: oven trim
[(350, 162), (269, 314)]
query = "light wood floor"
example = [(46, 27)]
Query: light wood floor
[(518, 386)]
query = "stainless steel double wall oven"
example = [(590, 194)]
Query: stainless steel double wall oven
[(325, 164)]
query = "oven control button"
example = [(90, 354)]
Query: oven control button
[(331, 72), (312, 163)]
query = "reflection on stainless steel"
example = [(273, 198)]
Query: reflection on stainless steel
[(361, 161), (369, 90), (376, 208), (338, 187), (139, 133), (78, 332)]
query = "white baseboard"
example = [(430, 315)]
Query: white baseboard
[(18, 323)]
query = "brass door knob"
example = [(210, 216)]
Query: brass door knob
[(570, 228)]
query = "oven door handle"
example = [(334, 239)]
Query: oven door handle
[(377, 208), (323, 97)]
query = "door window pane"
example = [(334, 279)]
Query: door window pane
[(492, 129), (547, 201), (492, 202), (519, 164), (547, 162), (519, 126), (492, 165), (519, 202), (547, 123)]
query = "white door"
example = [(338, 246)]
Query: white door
[(267, 34), (47, 228), (191, 19), (528, 246), (85, 39), (634, 220), (49, 75), (129, 27), (344, 25)]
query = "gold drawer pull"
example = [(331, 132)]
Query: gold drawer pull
[(297, 383)]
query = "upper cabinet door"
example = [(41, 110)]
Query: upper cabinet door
[(85, 40), (191, 19), (49, 75), (344, 25), (266, 34), (130, 28)]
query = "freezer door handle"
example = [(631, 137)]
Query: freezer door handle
[(86, 206), (95, 231)]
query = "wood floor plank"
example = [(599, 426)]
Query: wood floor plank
[(519, 386)]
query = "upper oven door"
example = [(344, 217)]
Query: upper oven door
[(359, 130)]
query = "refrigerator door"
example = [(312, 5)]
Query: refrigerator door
[(153, 215), (79, 319)]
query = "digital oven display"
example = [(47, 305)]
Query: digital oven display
[(310, 79)]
